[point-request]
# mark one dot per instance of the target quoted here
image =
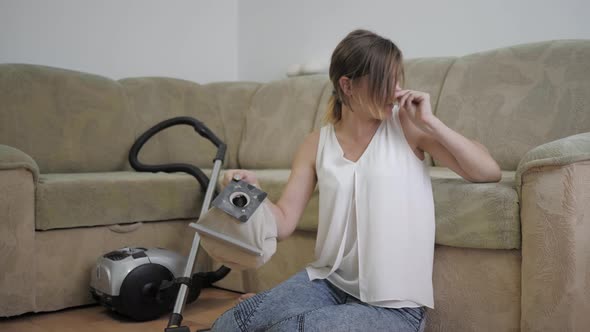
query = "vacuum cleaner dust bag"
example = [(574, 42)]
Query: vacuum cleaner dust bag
[(239, 230)]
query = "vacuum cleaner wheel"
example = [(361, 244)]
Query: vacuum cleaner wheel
[(140, 297)]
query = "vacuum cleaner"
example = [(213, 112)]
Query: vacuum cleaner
[(142, 283), (146, 283)]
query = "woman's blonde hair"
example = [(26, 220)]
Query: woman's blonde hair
[(362, 53)]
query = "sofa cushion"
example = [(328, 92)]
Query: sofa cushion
[(516, 98), (428, 75), (472, 215), (475, 215), (11, 158), (67, 121), (281, 114), (91, 199)]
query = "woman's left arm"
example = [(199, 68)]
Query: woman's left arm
[(466, 157)]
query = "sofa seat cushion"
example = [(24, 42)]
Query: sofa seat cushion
[(92, 199), (471, 215), (475, 215)]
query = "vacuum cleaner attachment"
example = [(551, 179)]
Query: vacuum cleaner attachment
[(240, 229)]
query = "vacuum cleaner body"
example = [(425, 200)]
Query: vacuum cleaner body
[(137, 282)]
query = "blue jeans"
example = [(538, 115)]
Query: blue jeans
[(299, 304)]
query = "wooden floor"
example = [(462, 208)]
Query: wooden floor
[(197, 315)]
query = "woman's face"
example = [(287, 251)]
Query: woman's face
[(361, 96)]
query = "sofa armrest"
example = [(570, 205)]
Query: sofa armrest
[(17, 232), (563, 151), (12, 158), (554, 188)]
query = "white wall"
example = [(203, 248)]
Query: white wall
[(225, 40), (276, 33), (190, 39)]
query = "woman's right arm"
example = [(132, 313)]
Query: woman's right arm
[(300, 186)]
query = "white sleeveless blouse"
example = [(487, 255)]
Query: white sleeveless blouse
[(376, 228)]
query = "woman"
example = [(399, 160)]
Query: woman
[(375, 241)]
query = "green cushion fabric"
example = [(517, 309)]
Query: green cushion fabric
[(556, 153), (472, 215), (11, 158), (428, 75), (67, 121), (281, 114), (475, 215), (513, 99), (91, 199)]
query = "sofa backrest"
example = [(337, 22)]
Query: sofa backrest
[(67, 121), (280, 115), (220, 106), (510, 99), (513, 99), (70, 121)]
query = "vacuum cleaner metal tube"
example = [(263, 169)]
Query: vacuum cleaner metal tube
[(181, 298)]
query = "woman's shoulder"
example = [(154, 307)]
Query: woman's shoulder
[(312, 141), (307, 151)]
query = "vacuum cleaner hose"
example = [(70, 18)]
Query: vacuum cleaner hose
[(215, 276), (200, 128), (176, 167)]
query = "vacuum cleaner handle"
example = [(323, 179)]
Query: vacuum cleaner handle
[(208, 277), (176, 167)]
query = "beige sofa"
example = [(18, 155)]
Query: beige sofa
[(510, 255)]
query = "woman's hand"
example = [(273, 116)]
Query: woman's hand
[(245, 175), (417, 106)]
